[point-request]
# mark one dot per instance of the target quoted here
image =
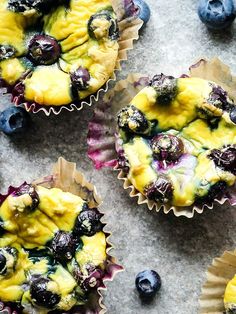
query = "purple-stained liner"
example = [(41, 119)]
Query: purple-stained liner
[(103, 146), (75, 182), (129, 26), (218, 275)]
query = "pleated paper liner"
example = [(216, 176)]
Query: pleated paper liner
[(129, 27), (65, 176), (218, 275), (102, 140)]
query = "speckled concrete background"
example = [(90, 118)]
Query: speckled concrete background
[(179, 249)]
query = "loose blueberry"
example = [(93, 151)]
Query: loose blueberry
[(166, 88), (63, 246), (143, 11), (160, 191), (45, 292), (14, 120), (80, 78), (167, 147), (225, 158), (88, 222), (102, 25), (132, 120), (6, 52), (3, 262), (233, 115), (148, 283), (43, 50), (216, 14)]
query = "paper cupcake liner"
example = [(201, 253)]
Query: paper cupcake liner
[(103, 145), (129, 27), (218, 275), (68, 179)]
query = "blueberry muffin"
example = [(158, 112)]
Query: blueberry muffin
[(177, 141), (53, 251), (53, 53), (230, 297)]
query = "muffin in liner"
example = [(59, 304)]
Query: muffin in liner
[(65, 177), (222, 270), (103, 145), (129, 25)]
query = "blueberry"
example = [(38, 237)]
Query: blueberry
[(14, 120), (43, 50), (3, 262), (97, 28), (63, 246), (28, 189), (233, 114), (133, 120), (43, 6), (148, 283), (6, 52), (45, 292), (165, 87), (80, 79), (216, 192), (167, 147), (216, 14), (225, 158), (88, 222), (143, 10), (160, 191)]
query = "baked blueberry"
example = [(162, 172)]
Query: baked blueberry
[(103, 25), (6, 52), (161, 190), (43, 6), (167, 147), (225, 158), (88, 222), (63, 246), (8, 260), (28, 189), (80, 78), (216, 14), (233, 114), (44, 292), (14, 120), (148, 283), (3, 261), (43, 50), (166, 88), (133, 120)]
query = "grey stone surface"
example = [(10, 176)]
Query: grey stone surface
[(179, 249)]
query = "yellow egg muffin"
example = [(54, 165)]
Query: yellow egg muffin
[(53, 250), (53, 53), (177, 141)]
